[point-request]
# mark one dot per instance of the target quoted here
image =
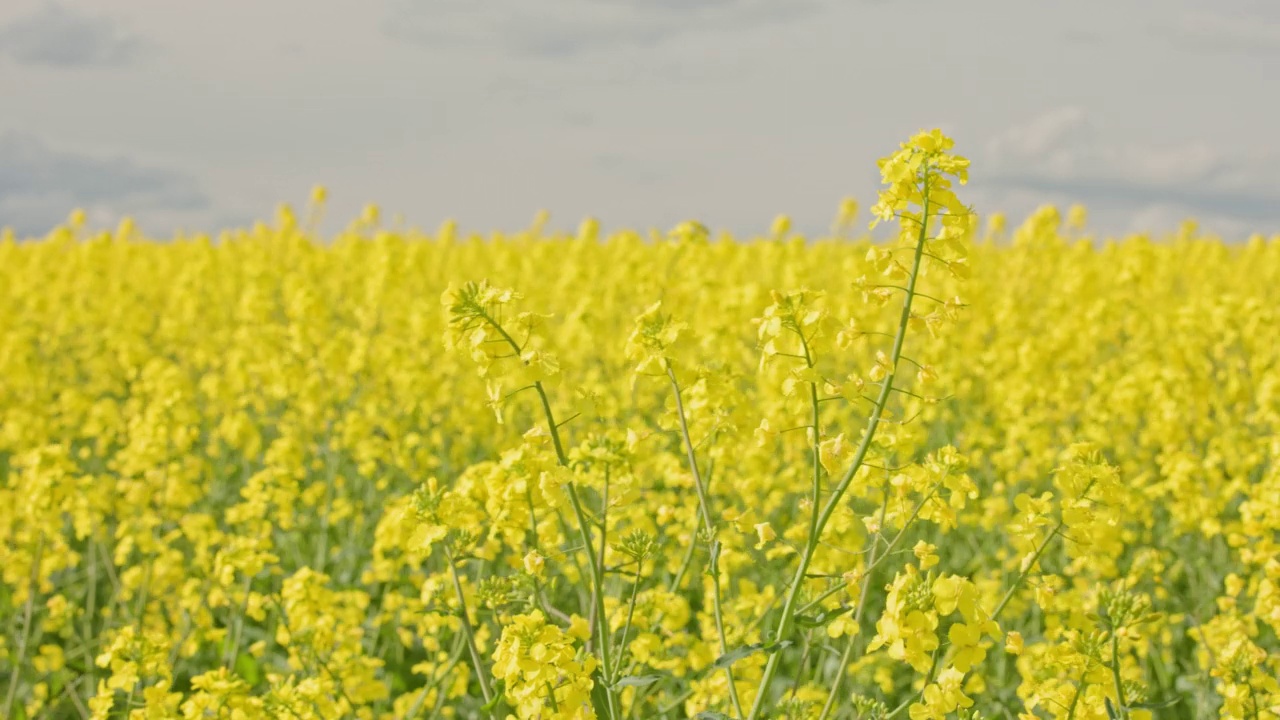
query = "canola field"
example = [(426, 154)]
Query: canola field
[(975, 471)]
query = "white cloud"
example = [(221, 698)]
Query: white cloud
[(647, 112), (1066, 143), (1043, 133), (1063, 156), (39, 185), (59, 36)]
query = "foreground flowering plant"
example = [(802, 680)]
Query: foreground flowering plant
[(1021, 474)]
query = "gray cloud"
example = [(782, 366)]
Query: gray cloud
[(58, 36), (647, 112), (580, 26), (39, 185), (1062, 156), (1188, 196)]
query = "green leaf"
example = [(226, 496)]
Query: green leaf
[(247, 668), (1155, 704), (637, 681), (773, 647), (810, 621), (1111, 710), (711, 715), (498, 686), (816, 620), (735, 655), (600, 696), (831, 650)]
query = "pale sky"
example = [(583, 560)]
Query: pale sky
[(203, 114)]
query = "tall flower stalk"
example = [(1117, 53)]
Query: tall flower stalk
[(918, 196), (477, 324)]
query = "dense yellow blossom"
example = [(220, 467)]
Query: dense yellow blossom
[(403, 474)]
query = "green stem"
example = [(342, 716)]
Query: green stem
[(90, 611), (693, 544), (551, 424), (816, 428), (1035, 558), (551, 695), (864, 446), (323, 663), (705, 508), (1121, 707), (839, 678), (686, 561), (626, 628), (874, 558), (1075, 699), (878, 558), (600, 627), (532, 539), (432, 682), (28, 610), (469, 632), (239, 631), (604, 534), (597, 582), (928, 679)]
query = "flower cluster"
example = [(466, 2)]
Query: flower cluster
[(949, 473), (545, 676)]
